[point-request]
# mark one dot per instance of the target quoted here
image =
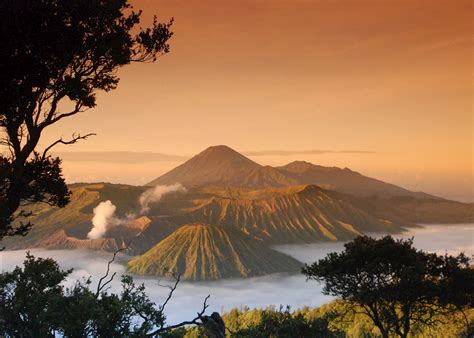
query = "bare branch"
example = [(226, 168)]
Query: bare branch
[(101, 285), (196, 321), (170, 294), (75, 139)]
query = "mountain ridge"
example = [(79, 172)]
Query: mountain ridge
[(269, 216), (222, 166), (345, 180), (214, 164)]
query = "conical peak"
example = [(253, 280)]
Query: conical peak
[(221, 152)]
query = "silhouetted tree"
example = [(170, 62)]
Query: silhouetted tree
[(394, 284), (35, 303), (54, 56)]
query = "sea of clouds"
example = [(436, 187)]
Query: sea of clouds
[(255, 292)]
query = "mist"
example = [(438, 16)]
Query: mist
[(255, 292)]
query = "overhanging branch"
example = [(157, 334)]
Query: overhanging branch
[(196, 321), (75, 139)]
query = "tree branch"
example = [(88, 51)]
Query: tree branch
[(75, 139), (170, 294), (196, 321), (100, 286)]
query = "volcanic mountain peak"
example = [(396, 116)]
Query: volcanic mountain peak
[(221, 166), (217, 165), (202, 252), (222, 153), (300, 167)]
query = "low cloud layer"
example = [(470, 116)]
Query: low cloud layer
[(188, 298), (254, 292)]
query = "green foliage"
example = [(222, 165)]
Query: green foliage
[(355, 325), (41, 180), (34, 302), (395, 285), (270, 322), (323, 321)]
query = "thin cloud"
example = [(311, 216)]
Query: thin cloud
[(118, 156), (446, 43), (304, 152), (146, 157)]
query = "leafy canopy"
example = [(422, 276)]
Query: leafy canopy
[(394, 284), (55, 56), (35, 303)]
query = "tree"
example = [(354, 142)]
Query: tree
[(54, 56), (35, 303), (394, 284), (272, 322)]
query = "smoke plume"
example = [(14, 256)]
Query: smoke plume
[(103, 215), (104, 212), (155, 194)]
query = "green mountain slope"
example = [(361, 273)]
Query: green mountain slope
[(206, 252)]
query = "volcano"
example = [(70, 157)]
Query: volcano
[(208, 252), (221, 166), (217, 166)]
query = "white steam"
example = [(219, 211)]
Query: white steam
[(103, 216), (104, 212), (155, 194)]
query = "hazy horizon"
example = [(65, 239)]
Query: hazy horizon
[(138, 168)]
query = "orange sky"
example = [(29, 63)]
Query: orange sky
[(390, 77)]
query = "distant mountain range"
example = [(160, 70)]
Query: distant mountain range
[(222, 166), (233, 209)]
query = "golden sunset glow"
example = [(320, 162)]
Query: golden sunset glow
[(391, 80)]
